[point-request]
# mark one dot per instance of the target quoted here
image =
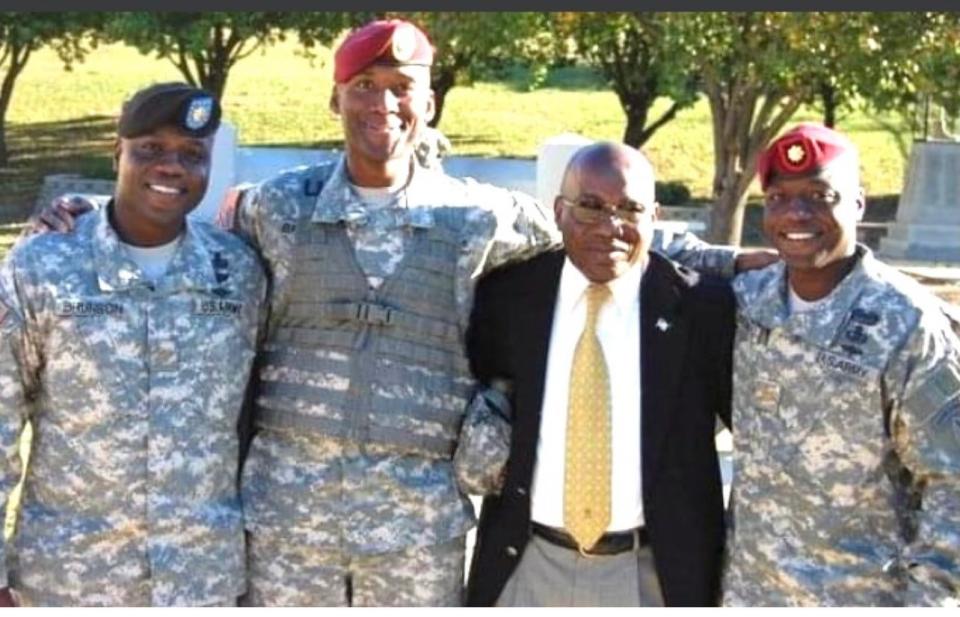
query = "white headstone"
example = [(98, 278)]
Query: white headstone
[(222, 172), (928, 214), (552, 159)]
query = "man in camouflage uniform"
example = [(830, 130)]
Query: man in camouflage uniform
[(127, 345), (846, 407), (349, 491)]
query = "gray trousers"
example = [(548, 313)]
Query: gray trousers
[(551, 575)]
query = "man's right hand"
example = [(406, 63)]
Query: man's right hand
[(61, 214), (6, 598)]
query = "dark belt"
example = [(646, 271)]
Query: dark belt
[(608, 544)]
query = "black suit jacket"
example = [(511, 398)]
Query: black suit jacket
[(685, 377)]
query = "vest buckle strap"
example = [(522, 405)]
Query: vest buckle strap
[(374, 314)]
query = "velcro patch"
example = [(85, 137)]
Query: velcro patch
[(217, 307), (88, 308)]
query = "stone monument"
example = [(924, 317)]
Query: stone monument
[(928, 214)]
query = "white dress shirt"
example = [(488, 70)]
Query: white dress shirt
[(618, 328)]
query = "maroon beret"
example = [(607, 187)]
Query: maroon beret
[(801, 151), (393, 41)]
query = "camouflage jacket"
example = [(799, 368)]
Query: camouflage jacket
[(846, 421), (368, 498), (133, 391)]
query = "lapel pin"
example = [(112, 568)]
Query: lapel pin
[(662, 325)]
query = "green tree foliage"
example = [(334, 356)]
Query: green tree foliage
[(630, 52), (205, 46), (757, 69), (470, 44), (23, 33)]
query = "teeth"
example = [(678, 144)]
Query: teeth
[(799, 236), (166, 190)]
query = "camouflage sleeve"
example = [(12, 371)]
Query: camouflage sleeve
[(521, 228), (926, 429), (18, 369), (237, 212), (481, 457), (508, 226), (694, 253)]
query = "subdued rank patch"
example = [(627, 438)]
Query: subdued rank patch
[(839, 363), (87, 308), (217, 307), (766, 394), (220, 267), (199, 112)]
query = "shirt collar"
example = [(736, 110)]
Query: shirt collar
[(624, 289), (192, 266), (338, 202), (763, 297)]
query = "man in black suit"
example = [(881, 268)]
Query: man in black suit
[(666, 333)]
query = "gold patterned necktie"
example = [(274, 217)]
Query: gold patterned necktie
[(586, 483)]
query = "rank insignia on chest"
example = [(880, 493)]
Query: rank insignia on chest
[(766, 394), (220, 267)]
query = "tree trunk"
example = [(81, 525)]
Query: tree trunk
[(443, 82), (829, 96), (216, 79), (726, 216), (636, 112), (18, 59)]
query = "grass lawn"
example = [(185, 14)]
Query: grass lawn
[(64, 121)]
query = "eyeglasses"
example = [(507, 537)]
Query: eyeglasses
[(590, 210), (816, 198)]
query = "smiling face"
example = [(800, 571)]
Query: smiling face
[(812, 220), (607, 176), (161, 176), (382, 110)]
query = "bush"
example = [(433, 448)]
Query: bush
[(672, 193)]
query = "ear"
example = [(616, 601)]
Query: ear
[(861, 203), (116, 155), (431, 107), (557, 209), (335, 99)]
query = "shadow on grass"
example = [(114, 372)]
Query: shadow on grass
[(520, 78), (78, 145)]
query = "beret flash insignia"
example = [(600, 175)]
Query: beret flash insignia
[(403, 43), (199, 112)]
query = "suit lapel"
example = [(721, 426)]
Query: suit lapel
[(662, 348), (533, 325)]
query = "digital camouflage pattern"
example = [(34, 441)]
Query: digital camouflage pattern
[(846, 421), (365, 498), (285, 574), (484, 448), (133, 391), (333, 494)]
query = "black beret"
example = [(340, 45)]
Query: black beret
[(193, 111)]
